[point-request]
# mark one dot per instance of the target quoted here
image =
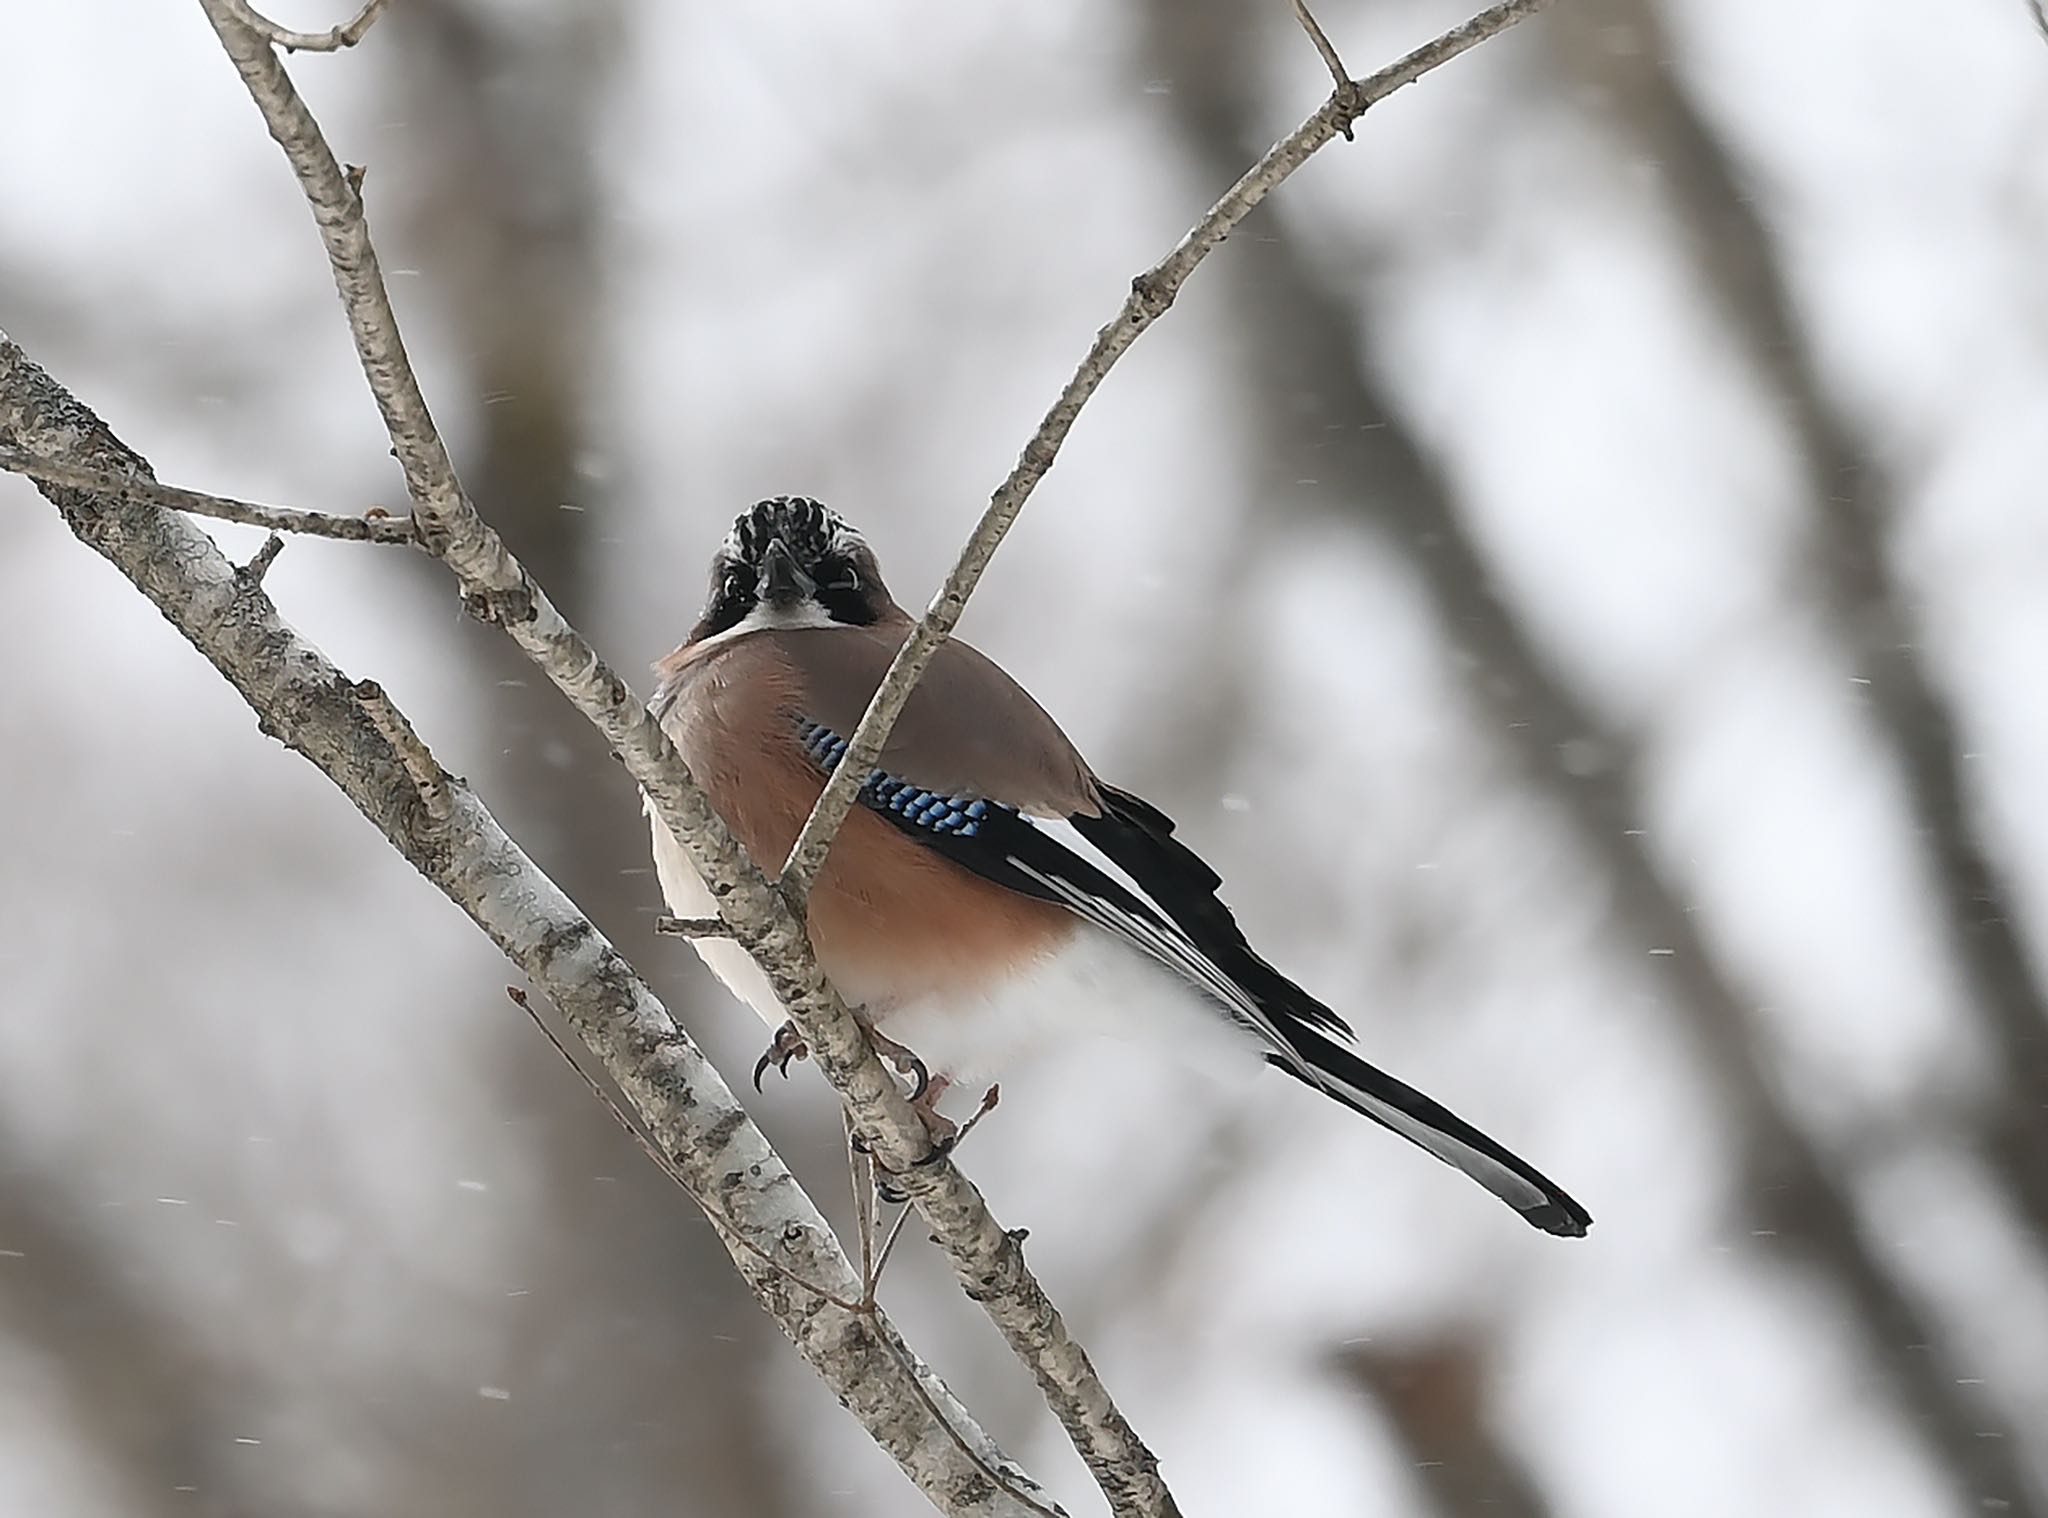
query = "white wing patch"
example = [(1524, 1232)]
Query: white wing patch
[(1511, 1187), (1159, 939)]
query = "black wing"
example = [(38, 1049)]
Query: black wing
[(1166, 907)]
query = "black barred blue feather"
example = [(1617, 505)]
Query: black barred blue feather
[(913, 806)]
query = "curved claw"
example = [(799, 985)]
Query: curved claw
[(787, 1045), (924, 1079)]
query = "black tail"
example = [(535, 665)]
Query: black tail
[(1339, 1073), (1139, 838)]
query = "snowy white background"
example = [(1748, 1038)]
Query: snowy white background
[(299, 1216)]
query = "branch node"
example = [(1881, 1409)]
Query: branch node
[(1154, 295), (425, 772), (333, 40)]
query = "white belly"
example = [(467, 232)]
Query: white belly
[(687, 896)]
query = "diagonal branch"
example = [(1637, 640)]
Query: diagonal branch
[(988, 1261), (774, 1233), (1151, 294)]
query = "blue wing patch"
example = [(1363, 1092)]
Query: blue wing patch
[(906, 804)]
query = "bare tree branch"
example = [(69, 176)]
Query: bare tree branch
[(1151, 294), (308, 704), (348, 34), (68, 474), (988, 1261)]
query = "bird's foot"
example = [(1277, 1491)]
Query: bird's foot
[(786, 1045), (907, 1063), (925, 1103), (946, 1134)]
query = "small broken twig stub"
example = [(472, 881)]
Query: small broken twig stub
[(260, 561), (429, 780)]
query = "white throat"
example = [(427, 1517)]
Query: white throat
[(806, 613)]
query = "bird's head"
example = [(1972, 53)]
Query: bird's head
[(792, 562)]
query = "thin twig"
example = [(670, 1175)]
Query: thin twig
[(1324, 45), (889, 1245), (1151, 293), (66, 475), (425, 772), (348, 34), (2038, 9), (860, 1176), (691, 927)]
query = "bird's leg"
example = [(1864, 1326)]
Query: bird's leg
[(786, 1045)]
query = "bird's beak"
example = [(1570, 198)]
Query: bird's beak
[(783, 582)]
